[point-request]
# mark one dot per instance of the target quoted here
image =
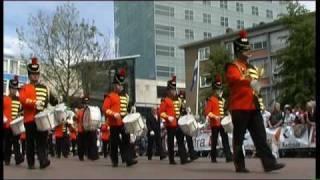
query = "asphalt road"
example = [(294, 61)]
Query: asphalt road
[(202, 168)]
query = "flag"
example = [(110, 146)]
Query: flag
[(195, 76)]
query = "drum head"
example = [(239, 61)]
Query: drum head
[(17, 120), (187, 119), (131, 117), (226, 120)]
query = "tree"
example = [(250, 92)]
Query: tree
[(62, 41), (297, 60)]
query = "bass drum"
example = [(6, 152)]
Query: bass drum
[(91, 118)]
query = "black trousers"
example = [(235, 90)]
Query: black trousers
[(176, 132), (123, 144), (155, 139), (82, 145), (92, 147), (225, 142), (23, 147), (191, 151), (74, 143), (36, 139), (105, 148), (62, 146), (10, 140), (51, 145), (251, 120)]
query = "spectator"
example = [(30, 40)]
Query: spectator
[(310, 113), (276, 118), (289, 116)]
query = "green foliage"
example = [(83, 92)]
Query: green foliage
[(297, 60)]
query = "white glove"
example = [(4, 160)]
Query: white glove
[(108, 128), (39, 104), (132, 138), (170, 118), (152, 133), (117, 115), (255, 84), (4, 119)]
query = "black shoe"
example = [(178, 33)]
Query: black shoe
[(194, 157), (242, 170), (149, 158), (133, 162), (19, 161), (115, 165), (229, 160), (81, 158), (214, 160), (42, 166), (31, 167), (185, 162), (173, 163), (163, 157), (274, 167)]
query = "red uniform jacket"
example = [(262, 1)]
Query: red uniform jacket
[(241, 94), (105, 133), (28, 101), (79, 117), (73, 135), (11, 108), (213, 107), (167, 109), (111, 105), (58, 133)]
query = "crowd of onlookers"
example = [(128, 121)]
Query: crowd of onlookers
[(301, 118)]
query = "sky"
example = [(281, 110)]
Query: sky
[(16, 15)]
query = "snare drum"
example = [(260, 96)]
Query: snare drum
[(188, 124), (17, 126), (226, 123), (133, 123), (45, 120), (91, 118)]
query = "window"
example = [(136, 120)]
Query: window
[(14, 67), (224, 21), (255, 10), (269, 14), (207, 18), (189, 34), (262, 63), (5, 66), (229, 47), (259, 45), (239, 7), (254, 24), (205, 80), (240, 24), (204, 53), (207, 35), (164, 10), (164, 50), (206, 3), (23, 69), (188, 15), (165, 30), (224, 4), (165, 71)]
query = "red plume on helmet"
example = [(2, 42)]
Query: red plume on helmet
[(243, 34), (34, 60), (122, 72)]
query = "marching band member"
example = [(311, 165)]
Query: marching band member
[(11, 110), (183, 111), (73, 139), (105, 136), (214, 111), (34, 98), (115, 108), (167, 112), (244, 109), (154, 134), (62, 140), (81, 138)]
